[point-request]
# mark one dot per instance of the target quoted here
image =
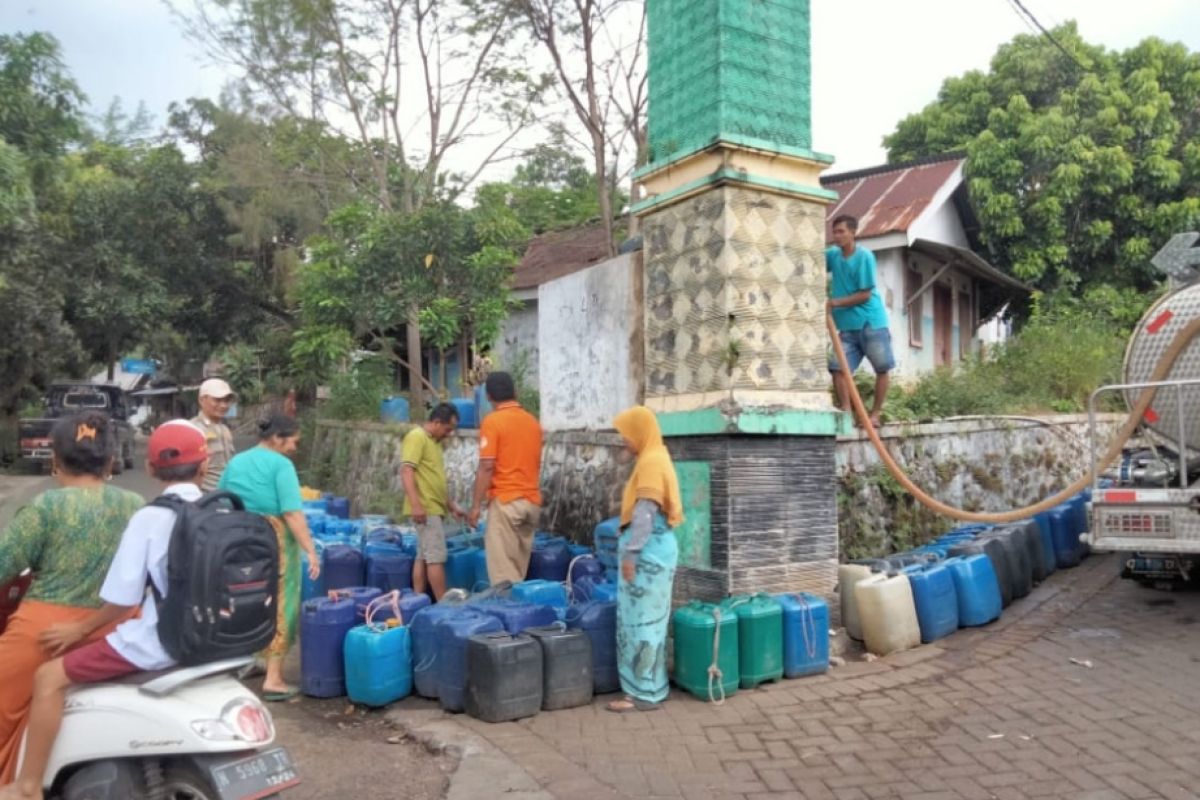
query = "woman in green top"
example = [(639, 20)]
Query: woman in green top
[(66, 537), (266, 480)]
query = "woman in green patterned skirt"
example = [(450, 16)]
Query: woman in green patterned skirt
[(266, 480)]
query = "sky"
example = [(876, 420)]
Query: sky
[(874, 61)]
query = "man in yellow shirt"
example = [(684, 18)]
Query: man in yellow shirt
[(427, 495)]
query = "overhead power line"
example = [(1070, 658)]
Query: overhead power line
[(1020, 6), (1024, 20)]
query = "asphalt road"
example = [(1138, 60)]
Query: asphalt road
[(341, 750)]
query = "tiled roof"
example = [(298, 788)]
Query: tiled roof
[(553, 255)]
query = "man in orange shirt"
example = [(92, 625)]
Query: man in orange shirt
[(510, 468)]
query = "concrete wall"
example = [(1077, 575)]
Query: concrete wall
[(978, 465), (590, 345), (518, 341)]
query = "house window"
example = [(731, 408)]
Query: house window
[(912, 282), (966, 322)]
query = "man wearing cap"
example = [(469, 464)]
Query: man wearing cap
[(216, 396)]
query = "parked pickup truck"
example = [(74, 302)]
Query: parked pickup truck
[(72, 397)]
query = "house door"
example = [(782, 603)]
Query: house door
[(943, 325)]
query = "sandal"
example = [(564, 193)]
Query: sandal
[(627, 704), (279, 697)]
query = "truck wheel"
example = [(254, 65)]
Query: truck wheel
[(118, 465), (129, 456)]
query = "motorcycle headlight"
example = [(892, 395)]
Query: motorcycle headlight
[(241, 720)]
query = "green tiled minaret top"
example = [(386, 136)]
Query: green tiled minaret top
[(737, 71)]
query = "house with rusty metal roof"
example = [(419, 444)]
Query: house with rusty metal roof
[(944, 299)]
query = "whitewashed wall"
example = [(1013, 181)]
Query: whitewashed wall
[(590, 345)]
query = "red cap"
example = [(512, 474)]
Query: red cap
[(176, 442)]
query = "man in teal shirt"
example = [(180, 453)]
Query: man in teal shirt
[(858, 313)]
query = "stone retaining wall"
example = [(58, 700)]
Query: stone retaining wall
[(977, 464)]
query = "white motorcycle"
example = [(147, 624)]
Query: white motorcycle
[(190, 733)]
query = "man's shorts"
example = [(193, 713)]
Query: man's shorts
[(431, 541), (874, 344), (96, 662)]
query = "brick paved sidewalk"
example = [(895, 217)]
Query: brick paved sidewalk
[(997, 712)]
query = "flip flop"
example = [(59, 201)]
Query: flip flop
[(279, 697), (627, 704)]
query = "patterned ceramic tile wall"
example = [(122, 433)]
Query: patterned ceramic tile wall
[(728, 68), (735, 292)]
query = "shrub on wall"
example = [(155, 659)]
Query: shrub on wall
[(1052, 365), (356, 394)]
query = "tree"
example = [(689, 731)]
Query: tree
[(1081, 161), (275, 180), (603, 79), (147, 248), (39, 118), (338, 60), (115, 297), (18, 206), (356, 287), (39, 102), (118, 127), (109, 244), (36, 344), (551, 190), (34, 341)]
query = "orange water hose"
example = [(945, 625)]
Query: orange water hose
[(1161, 370)]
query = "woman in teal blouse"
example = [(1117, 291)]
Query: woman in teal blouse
[(265, 478)]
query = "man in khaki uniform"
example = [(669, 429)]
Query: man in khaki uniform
[(216, 396), (510, 467)]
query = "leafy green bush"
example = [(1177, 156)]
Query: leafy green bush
[(527, 394), (962, 390), (1057, 362), (356, 393), (243, 370), (1053, 364)]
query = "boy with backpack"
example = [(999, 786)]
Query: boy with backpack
[(177, 456)]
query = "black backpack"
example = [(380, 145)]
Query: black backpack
[(222, 580)]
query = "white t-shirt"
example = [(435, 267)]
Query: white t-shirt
[(142, 553)]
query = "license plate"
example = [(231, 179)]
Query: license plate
[(256, 776)]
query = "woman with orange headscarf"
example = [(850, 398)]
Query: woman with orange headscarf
[(650, 508)]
